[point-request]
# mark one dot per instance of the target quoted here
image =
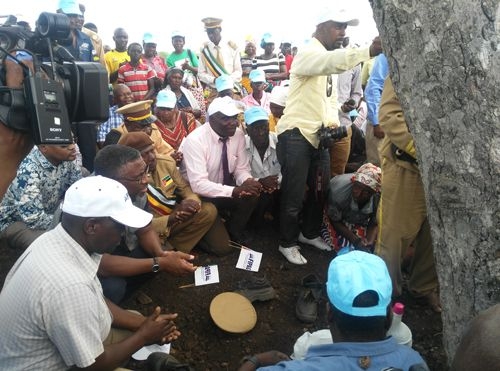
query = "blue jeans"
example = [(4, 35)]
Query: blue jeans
[(301, 165)]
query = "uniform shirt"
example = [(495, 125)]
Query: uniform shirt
[(232, 63), (346, 356), (202, 166), (115, 119), (52, 307), (373, 90), (168, 179), (37, 189), (114, 58), (270, 165), (308, 104), (136, 78)]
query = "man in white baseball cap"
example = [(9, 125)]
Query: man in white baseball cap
[(217, 167), (54, 315)]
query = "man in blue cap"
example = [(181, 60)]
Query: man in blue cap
[(79, 45), (359, 292), (261, 149), (259, 96)]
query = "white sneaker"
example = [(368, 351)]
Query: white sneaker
[(316, 242), (293, 255)]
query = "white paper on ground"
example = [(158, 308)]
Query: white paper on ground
[(145, 351), (249, 260), (206, 275)]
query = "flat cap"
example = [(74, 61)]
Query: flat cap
[(136, 139)]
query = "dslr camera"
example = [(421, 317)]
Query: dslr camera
[(328, 134), (58, 90)]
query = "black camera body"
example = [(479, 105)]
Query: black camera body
[(328, 134), (59, 91)]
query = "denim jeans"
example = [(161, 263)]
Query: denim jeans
[(303, 168)]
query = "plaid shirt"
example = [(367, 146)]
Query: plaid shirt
[(115, 119)]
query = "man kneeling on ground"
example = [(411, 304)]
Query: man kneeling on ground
[(54, 315)]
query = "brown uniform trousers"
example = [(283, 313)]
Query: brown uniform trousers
[(402, 213)]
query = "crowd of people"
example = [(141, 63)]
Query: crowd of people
[(197, 148)]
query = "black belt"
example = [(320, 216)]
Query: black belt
[(402, 155)]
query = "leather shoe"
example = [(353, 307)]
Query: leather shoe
[(293, 255), (316, 242), (306, 308)]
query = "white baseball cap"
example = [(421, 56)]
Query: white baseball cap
[(337, 15), (98, 196), (225, 105)]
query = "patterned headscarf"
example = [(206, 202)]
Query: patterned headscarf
[(369, 175)]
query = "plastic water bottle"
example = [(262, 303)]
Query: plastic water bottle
[(398, 330)]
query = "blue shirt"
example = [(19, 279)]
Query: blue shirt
[(373, 90), (84, 50), (345, 357), (115, 119), (37, 189)]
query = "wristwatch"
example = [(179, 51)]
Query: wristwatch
[(156, 266), (252, 359)]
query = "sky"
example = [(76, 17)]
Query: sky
[(241, 20)]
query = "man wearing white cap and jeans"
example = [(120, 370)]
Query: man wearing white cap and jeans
[(359, 314), (60, 319), (305, 164), (217, 167)]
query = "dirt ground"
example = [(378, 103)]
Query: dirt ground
[(205, 347)]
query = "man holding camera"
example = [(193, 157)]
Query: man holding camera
[(304, 163)]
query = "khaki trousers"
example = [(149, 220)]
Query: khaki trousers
[(339, 154), (204, 228), (373, 145), (402, 220)]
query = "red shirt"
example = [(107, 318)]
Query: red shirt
[(136, 78)]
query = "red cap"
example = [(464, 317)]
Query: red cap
[(398, 308)]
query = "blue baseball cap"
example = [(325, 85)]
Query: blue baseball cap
[(223, 82), (254, 114), (70, 7), (257, 76), (148, 38), (166, 99), (353, 273)]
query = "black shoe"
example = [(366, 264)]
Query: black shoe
[(256, 289), (159, 361), (310, 293)]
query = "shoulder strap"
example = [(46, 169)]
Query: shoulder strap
[(190, 55)]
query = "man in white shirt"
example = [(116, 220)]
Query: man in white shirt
[(54, 314)]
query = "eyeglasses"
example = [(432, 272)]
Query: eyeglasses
[(139, 179)]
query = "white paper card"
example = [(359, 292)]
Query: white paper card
[(206, 275), (144, 352), (249, 260)]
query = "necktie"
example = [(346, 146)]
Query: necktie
[(219, 56), (226, 176)]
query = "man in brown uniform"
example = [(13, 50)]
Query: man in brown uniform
[(402, 213), (180, 218)]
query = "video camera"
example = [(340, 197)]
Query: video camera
[(58, 91), (328, 134)]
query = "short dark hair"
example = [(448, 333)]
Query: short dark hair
[(349, 324), (133, 44), (110, 159)]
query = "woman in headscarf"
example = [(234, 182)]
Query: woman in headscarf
[(185, 99), (352, 207)]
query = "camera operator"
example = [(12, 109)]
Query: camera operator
[(303, 163), (81, 48)]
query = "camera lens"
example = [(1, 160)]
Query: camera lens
[(55, 26)]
